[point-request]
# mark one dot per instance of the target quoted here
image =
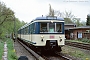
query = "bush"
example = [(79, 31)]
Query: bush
[(1, 49)]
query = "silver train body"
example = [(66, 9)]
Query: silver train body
[(46, 33)]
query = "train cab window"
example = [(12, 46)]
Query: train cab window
[(51, 27), (58, 27), (26, 30), (43, 27)]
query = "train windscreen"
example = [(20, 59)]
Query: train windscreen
[(50, 27)]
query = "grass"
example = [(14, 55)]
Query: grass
[(11, 53), (1, 49), (84, 40), (75, 52)]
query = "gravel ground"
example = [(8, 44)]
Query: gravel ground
[(21, 51)]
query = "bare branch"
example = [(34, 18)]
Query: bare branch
[(3, 20)]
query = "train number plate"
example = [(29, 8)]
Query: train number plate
[(51, 37)]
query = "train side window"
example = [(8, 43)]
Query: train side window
[(22, 31), (32, 28), (19, 31), (26, 30), (43, 27)]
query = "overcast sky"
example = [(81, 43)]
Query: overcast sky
[(27, 10)]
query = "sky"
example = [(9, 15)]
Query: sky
[(27, 10)]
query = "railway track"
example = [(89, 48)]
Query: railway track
[(78, 45), (31, 51), (55, 56), (45, 55)]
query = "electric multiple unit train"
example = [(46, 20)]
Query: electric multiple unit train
[(45, 33)]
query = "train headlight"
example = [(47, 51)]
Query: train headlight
[(60, 37), (51, 21), (42, 36)]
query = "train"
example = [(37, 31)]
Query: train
[(44, 33)]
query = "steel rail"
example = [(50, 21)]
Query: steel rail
[(38, 57)]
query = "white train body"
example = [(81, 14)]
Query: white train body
[(36, 39), (44, 32)]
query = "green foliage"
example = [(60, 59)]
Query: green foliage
[(8, 27), (11, 53), (5, 13), (78, 22), (13, 56), (88, 20), (1, 49), (7, 20), (68, 21)]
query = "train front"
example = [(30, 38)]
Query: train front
[(50, 32)]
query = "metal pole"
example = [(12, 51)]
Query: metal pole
[(14, 28)]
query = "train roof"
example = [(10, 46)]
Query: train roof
[(49, 18), (23, 26), (44, 18)]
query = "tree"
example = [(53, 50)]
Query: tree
[(67, 15), (7, 19), (70, 18), (51, 11), (5, 13), (68, 21), (88, 20), (77, 21)]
